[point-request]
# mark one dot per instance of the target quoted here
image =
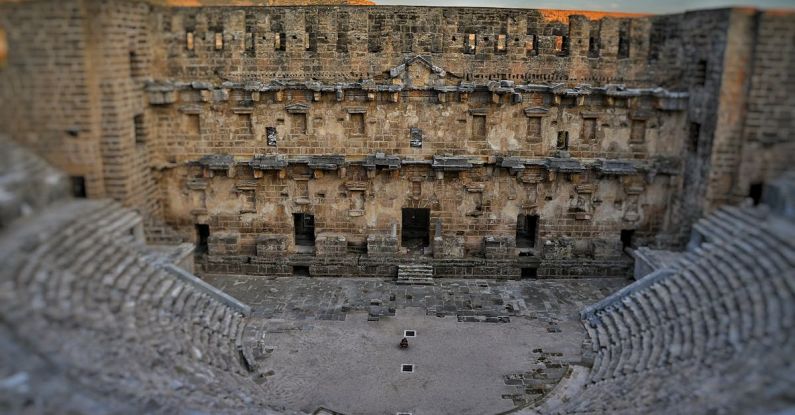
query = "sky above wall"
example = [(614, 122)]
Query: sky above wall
[(630, 6)]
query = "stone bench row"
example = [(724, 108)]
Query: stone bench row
[(735, 291), (692, 387), (84, 275), (87, 278)]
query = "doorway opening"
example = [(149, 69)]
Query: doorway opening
[(526, 231), (79, 187), (301, 271), (626, 238), (304, 224), (202, 235), (415, 228), (755, 192), (529, 272)]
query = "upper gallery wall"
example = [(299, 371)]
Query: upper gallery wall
[(333, 44)]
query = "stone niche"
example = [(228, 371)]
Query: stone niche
[(378, 245), (271, 245), (449, 246), (499, 247), (332, 244), (224, 243)]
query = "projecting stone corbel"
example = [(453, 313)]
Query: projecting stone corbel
[(536, 111), (298, 108)]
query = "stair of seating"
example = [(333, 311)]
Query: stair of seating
[(415, 274)]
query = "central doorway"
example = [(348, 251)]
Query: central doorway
[(415, 228), (526, 231), (304, 224)]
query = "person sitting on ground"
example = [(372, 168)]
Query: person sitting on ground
[(404, 344)]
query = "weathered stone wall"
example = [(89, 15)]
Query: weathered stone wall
[(239, 117), (72, 88), (345, 43), (410, 108), (48, 98), (768, 142)]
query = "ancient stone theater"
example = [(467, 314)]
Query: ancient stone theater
[(336, 207)]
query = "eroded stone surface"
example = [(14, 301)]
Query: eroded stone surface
[(319, 344)]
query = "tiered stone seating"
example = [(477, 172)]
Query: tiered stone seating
[(689, 338), (77, 287)]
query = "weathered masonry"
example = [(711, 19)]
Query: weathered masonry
[(340, 141)]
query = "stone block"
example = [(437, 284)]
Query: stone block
[(224, 243), (499, 247), (382, 245), (331, 244), (270, 245), (451, 246)]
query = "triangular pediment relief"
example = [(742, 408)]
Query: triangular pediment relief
[(419, 71)]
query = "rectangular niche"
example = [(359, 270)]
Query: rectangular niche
[(415, 137), (533, 129), (357, 123), (298, 123), (637, 132)]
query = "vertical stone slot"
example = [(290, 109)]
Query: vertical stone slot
[(623, 40), (140, 129), (280, 42), (501, 46), (189, 41), (470, 43), (693, 136), (700, 76), (531, 46), (78, 186), (638, 131), (561, 45), (219, 40), (202, 235), (593, 46)]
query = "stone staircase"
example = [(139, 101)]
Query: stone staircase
[(421, 274)]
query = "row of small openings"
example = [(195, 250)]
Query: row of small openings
[(279, 41), (470, 43), (561, 43), (594, 48)]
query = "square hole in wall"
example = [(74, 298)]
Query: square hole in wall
[(407, 368), (301, 271), (409, 333)]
